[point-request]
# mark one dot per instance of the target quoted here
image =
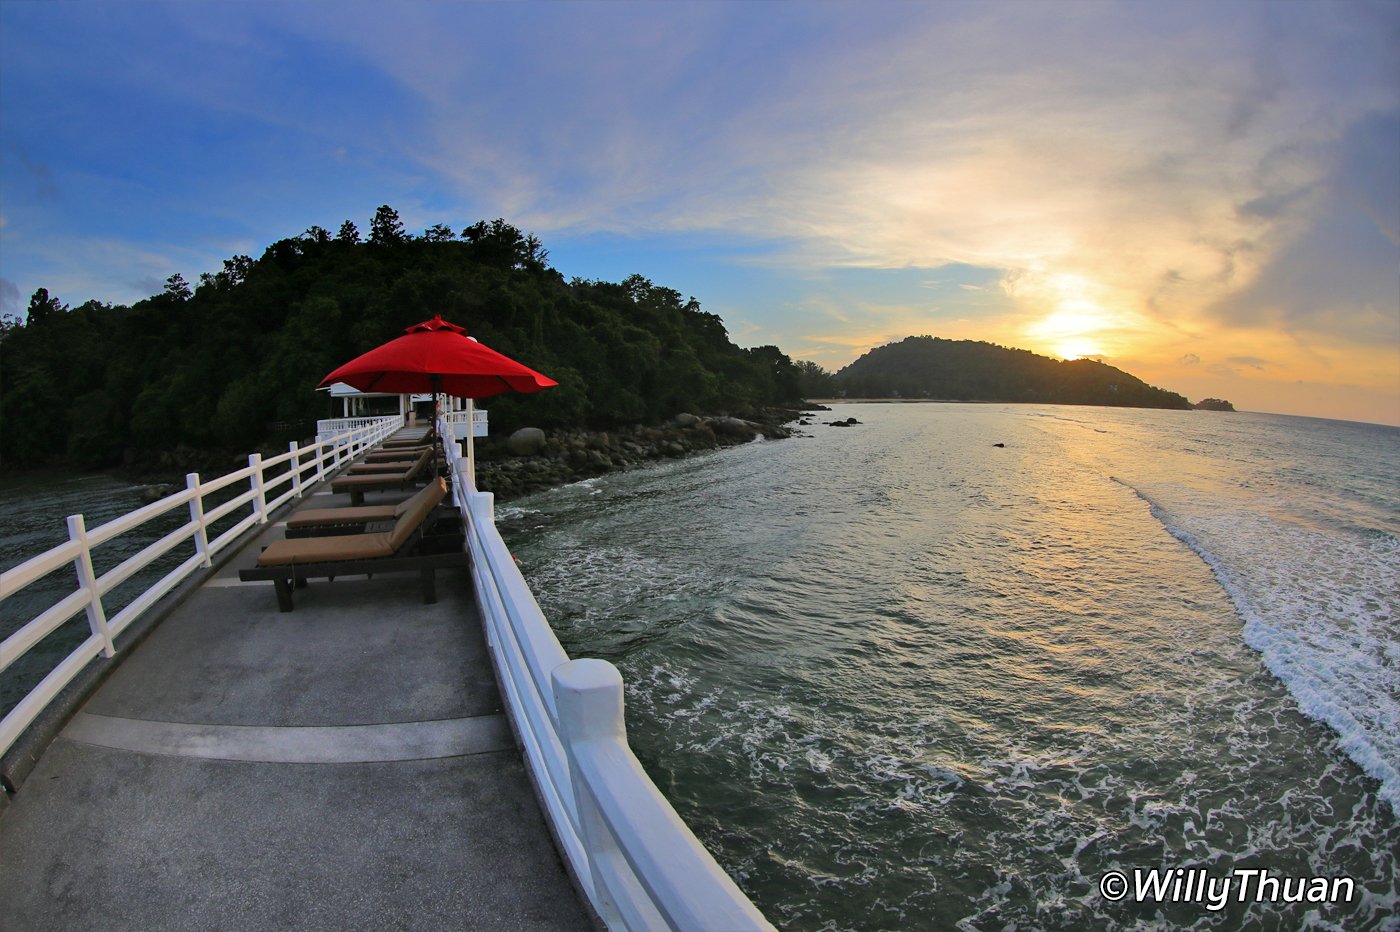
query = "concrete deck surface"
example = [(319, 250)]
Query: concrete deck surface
[(344, 766)]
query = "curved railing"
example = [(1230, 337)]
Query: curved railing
[(639, 864), (271, 483)]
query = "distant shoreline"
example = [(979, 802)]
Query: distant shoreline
[(905, 401), (953, 401)]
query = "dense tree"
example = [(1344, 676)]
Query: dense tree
[(219, 368), (176, 287), (43, 308), (386, 229), (814, 381)]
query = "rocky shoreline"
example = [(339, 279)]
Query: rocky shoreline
[(531, 460), (528, 460)]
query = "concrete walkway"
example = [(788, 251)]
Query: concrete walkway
[(344, 766)]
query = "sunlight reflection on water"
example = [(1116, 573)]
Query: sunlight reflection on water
[(897, 676)]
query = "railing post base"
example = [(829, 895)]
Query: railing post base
[(588, 701)]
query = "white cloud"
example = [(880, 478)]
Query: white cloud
[(1167, 155)]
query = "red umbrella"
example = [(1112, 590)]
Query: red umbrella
[(437, 356)]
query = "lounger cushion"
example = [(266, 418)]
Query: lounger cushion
[(358, 546), (376, 480), (364, 514), (327, 549), (419, 507), (394, 453), (379, 466)]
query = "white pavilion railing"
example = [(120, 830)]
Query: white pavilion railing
[(640, 865), (457, 422), (270, 483)]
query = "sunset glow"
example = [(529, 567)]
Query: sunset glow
[(1205, 195)]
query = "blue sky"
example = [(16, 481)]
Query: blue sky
[(1205, 194)]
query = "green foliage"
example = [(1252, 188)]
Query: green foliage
[(1214, 404), (814, 381), (385, 229), (217, 368), (964, 370)]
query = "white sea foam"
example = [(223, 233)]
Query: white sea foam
[(1320, 607), (507, 513), (822, 743)]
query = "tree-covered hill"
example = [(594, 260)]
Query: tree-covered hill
[(215, 366), (966, 370)]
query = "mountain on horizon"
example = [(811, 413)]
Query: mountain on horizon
[(971, 370)]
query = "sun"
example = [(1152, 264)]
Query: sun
[(1077, 324), (1082, 348)]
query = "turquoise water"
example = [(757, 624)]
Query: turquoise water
[(898, 677)]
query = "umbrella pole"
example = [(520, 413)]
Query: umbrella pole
[(435, 432)]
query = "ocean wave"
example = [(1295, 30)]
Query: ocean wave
[(1320, 608)]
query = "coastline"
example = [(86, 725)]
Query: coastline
[(575, 454), (565, 455)]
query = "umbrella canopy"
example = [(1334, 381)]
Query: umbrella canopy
[(437, 356)]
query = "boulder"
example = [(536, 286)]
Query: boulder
[(734, 427), (686, 420), (154, 493), (527, 441)]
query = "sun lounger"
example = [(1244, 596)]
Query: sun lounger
[(357, 485), (380, 466), (290, 563), (320, 522), (422, 440), (394, 453)]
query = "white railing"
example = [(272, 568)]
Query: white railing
[(640, 865), (334, 427), (457, 422), (271, 483)]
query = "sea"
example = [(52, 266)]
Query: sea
[(988, 667), (973, 666)]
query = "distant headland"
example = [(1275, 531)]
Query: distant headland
[(1214, 404), (934, 369)]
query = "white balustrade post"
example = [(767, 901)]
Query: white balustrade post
[(588, 700), (484, 504), (461, 491), (201, 532), (259, 490), (295, 465), (471, 442), (87, 581)]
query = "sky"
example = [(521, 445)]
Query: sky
[(1206, 195)]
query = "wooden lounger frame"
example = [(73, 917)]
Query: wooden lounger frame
[(357, 484), (294, 575), (289, 563)]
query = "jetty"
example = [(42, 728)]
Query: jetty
[(208, 759)]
